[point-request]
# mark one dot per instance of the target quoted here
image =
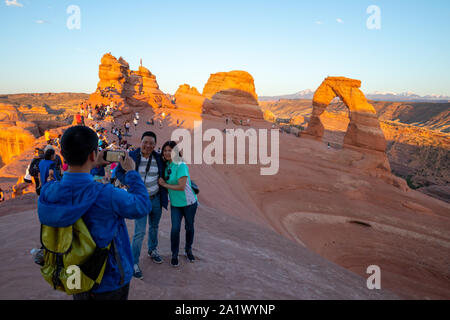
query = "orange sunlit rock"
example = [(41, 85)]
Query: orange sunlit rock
[(189, 98), (364, 128), (127, 88), (232, 94), (13, 141)]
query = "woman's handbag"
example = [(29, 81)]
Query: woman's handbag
[(195, 187)]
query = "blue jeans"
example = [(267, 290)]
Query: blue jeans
[(139, 230), (177, 214)]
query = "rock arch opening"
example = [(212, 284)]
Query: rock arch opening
[(335, 120), (363, 130)]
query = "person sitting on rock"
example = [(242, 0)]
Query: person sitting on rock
[(47, 167)]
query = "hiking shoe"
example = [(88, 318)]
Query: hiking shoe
[(137, 272), (156, 258), (174, 262), (189, 256)]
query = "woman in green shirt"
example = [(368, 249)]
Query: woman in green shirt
[(183, 201)]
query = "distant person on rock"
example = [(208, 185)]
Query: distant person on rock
[(183, 201), (47, 137), (98, 173), (119, 136), (58, 141), (47, 168), (58, 165), (150, 166), (135, 121), (127, 127), (2, 195), (78, 119), (103, 208), (33, 168)]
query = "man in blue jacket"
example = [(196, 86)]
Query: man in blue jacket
[(150, 166), (103, 208)]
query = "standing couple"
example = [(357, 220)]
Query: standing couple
[(163, 178)]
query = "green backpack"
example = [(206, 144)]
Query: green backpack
[(72, 261)]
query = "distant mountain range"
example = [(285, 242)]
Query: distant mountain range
[(377, 96)]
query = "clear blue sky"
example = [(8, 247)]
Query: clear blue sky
[(287, 46)]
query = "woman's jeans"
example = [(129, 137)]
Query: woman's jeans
[(177, 214)]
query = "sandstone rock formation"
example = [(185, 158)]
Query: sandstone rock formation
[(269, 116), (15, 135), (13, 141), (189, 98), (363, 134), (364, 128), (9, 112), (232, 94), (418, 147), (126, 87)]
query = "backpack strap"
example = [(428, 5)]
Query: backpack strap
[(118, 260)]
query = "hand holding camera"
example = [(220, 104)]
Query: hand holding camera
[(127, 162)]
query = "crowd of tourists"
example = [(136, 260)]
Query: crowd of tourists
[(68, 173)]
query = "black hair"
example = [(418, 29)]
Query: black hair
[(171, 144), (148, 134), (77, 143), (48, 154)]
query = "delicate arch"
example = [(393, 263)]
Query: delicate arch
[(364, 128)]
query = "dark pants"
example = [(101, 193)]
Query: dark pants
[(37, 183), (119, 294), (177, 214)]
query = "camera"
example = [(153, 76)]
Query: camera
[(113, 156)]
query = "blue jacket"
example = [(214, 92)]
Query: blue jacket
[(98, 171), (136, 156), (104, 209), (44, 169)]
